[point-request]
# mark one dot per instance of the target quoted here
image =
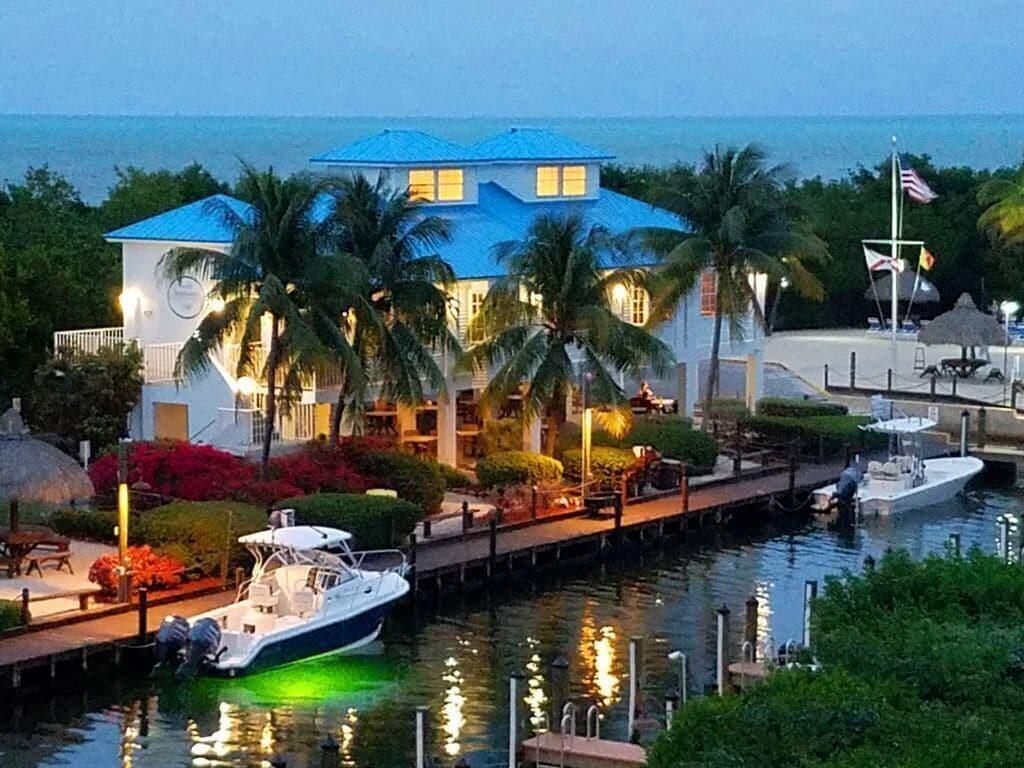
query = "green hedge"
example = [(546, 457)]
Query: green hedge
[(415, 480), (376, 522), (834, 432), (454, 478), (672, 437), (10, 614), (500, 436), (791, 406), (83, 523), (607, 464), (726, 409), (515, 468), (197, 532)]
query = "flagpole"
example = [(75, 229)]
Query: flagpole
[(894, 252)]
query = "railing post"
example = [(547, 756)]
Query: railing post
[(684, 486), (931, 388), (888, 380), (618, 522), (826, 377), (853, 370), (143, 613), (954, 387), (533, 502), (810, 595), (982, 425), (722, 654), (737, 458), (965, 431), (467, 517), (954, 544), (750, 626), (26, 615)]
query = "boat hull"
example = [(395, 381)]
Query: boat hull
[(947, 478)]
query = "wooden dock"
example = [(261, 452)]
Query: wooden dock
[(581, 752)]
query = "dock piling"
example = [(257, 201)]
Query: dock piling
[(533, 502), (413, 581), (954, 544), (684, 486), (492, 552), (722, 660), (513, 717), (634, 683), (869, 564), (750, 625), (26, 615), (965, 431), (853, 370), (329, 752), (559, 686), (421, 752), (683, 667), (982, 426), (810, 595), (671, 700), (826, 377), (143, 614)]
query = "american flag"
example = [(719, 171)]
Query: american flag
[(912, 183)]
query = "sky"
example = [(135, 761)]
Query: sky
[(508, 58)]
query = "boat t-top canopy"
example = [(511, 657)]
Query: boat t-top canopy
[(902, 425), (297, 537)]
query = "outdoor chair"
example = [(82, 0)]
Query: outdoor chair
[(874, 326), (930, 370), (994, 374)]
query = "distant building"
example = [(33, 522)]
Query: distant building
[(490, 191)]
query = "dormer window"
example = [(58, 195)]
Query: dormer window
[(436, 185), (561, 180)]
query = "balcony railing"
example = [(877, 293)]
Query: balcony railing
[(250, 425), (160, 361), (88, 340)]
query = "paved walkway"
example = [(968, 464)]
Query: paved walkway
[(52, 581)]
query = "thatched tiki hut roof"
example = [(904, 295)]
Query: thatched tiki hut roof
[(31, 470), (965, 326)]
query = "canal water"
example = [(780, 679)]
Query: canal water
[(456, 658)]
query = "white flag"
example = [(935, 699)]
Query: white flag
[(878, 262)]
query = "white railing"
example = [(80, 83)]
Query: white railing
[(88, 340), (248, 426), (160, 361)]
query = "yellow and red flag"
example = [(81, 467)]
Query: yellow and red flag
[(927, 259)]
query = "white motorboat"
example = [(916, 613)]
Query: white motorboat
[(905, 481), (309, 595)]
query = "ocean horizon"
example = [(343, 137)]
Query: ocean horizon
[(87, 148)]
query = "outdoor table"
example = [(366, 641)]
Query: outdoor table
[(18, 545), (419, 443), (381, 422), (962, 367), (471, 434)]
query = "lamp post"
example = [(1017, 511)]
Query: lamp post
[(585, 430), (1008, 308)]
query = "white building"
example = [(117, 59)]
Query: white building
[(490, 191)]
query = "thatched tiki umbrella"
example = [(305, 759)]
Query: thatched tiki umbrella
[(965, 326), (924, 292), (31, 470)]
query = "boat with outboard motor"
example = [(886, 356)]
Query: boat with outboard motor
[(906, 480), (310, 595)]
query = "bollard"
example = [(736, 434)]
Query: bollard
[(954, 544), (684, 486), (426, 528), (329, 751), (888, 380), (533, 502), (26, 615), (513, 717), (421, 741), (965, 431), (826, 377), (931, 389), (722, 655), (750, 625), (559, 687), (810, 595), (670, 704), (869, 564), (982, 426), (635, 655), (143, 613), (492, 536), (467, 517), (853, 370)]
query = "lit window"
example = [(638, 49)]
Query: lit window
[(476, 303), (574, 180), (547, 181), (421, 185), (638, 314), (449, 184), (708, 293)]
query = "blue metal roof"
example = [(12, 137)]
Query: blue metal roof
[(391, 147), (533, 144), (200, 222)]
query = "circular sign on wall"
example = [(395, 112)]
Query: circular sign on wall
[(186, 297)]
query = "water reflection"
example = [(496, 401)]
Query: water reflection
[(452, 718), (536, 700)]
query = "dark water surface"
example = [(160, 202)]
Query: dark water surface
[(457, 658)]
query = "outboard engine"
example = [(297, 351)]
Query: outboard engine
[(203, 642), (171, 638), (846, 487)]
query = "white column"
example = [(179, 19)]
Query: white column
[(689, 386), (531, 436), (446, 421), (755, 379), (406, 418)]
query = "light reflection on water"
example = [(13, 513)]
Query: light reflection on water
[(457, 659)]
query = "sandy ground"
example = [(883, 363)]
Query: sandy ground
[(83, 553)]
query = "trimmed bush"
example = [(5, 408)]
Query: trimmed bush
[(415, 480), (672, 437), (607, 464), (84, 523), (454, 478), (726, 409), (199, 531), (376, 522), (517, 467), (10, 615), (834, 432), (501, 435), (791, 406)]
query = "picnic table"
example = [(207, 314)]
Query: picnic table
[(382, 422), (34, 545), (963, 367)]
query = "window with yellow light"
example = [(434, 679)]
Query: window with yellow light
[(574, 180), (422, 184), (547, 181), (450, 184), (708, 293)]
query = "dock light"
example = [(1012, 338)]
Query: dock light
[(246, 385), (217, 305), (129, 300), (1009, 309), (784, 283)]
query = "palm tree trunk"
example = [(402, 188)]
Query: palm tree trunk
[(271, 404), (770, 325), (709, 395), (553, 420), (339, 410)]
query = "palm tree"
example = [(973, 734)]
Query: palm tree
[(401, 310), (740, 227), (551, 321), (272, 269), (1004, 212)]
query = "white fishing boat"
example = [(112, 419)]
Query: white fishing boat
[(904, 481), (309, 595)]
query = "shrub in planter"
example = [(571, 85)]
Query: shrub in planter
[(84, 523), (202, 530), (791, 406), (454, 478), (150, 569), (607, 464), (10, 615), (516, 467), (726, 409), (415, 480), (675, 439), (833, 432), (376, 522), (501, 435)]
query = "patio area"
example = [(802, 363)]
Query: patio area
[(52, 581)]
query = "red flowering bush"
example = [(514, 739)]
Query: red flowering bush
[(319, 467), (149, 569)]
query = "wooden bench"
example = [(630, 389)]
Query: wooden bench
[(62, 559), (84, 595)]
